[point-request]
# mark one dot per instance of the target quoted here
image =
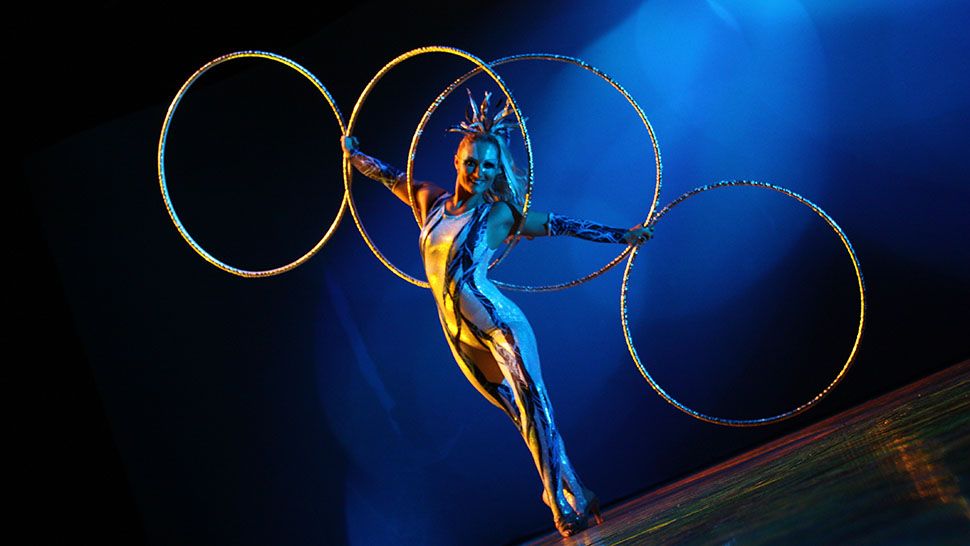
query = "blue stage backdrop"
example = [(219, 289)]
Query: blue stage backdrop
[(323, 406)]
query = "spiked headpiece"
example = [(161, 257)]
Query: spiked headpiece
[(479, 121)]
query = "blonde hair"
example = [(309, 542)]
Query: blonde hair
[(479, 126), (510, 183)]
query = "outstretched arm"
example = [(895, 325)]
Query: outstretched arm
[(540, 224), (592, 231), (393, 178)]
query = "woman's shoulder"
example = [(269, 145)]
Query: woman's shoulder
[(440, 198), (502, 212), (500, 207), (505, 209), (438, 201)]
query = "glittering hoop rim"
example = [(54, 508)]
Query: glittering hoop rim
[(585, 66), (163, 184), (419, 130), (348, 168), (765, 420)]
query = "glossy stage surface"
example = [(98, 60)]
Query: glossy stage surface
[(895, 470)]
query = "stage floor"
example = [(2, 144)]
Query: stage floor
[(886, 472)]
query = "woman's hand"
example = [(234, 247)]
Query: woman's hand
[(350, 145), (638, 235)]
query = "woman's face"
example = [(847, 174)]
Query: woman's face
[(477, 164)]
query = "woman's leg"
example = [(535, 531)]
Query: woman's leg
[(511, 368), (484, 374)]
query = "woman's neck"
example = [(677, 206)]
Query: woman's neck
[(460, 202)]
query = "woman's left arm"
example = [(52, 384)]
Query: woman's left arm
[(541, 224), (593, 231)]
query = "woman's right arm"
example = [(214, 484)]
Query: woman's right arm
[(393, 179)]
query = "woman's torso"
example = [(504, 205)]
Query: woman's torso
[(456, 255)]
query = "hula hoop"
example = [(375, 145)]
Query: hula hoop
[(653, 216), (585, 66), (163, 184), (348, 168), (781, 416)]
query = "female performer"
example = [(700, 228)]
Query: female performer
[(488, 334)]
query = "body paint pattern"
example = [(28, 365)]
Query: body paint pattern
[(484, 328), (584, 229), (376, 169)]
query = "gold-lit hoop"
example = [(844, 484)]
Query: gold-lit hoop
[(412, 151), (348, 169), (517, 228), (163, 184), (766, 420)]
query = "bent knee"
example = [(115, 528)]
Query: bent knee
[(486, 363)]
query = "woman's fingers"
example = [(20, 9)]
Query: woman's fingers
[(638, 235), (349, 144)]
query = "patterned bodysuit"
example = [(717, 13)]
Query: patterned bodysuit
[(479, 320), (485, 329)]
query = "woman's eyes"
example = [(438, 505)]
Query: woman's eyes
[(486, 165)]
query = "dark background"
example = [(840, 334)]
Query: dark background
[(169, 402)]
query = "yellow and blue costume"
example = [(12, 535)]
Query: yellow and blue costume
[(485, 330)]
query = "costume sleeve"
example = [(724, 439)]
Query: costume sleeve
[(584, 229), (376, 169)]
